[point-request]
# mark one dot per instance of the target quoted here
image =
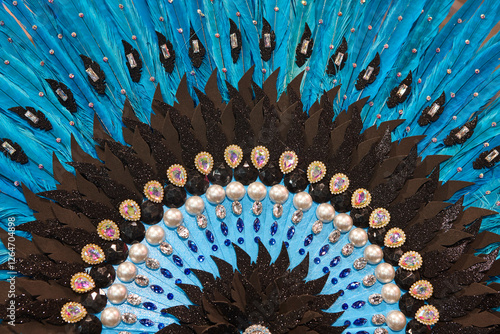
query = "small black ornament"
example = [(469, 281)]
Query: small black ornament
[(400, 93)]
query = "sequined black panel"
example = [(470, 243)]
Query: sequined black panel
[(196, 49), (365, 78), (267, 43), (167, 53), (95, 75), (337, 61), (13, 151), (305, 47), (63, 94), (134, 62), (400, 93), (431, 113), (35, 118)]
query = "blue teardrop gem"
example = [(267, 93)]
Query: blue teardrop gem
[(224, 229), (210, 236), (274, 228), (146, 322), (308, 240), (177, 260), (166, 273), (335, 261), (290, 233), (192, 246), (353, 285), (360, 322), (240, 225), (256, 225), (324, 250), (358, 304), (149, 306), (344, 273), (156, 288)]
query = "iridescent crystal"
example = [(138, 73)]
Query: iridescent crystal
[(256, 329), (427, 315), (410, 261), (401, 90), (338, 59), (202, 221), (369, 280), (73, 312), (259, 156), (434, 109), (131, 60), (166, 248), (129, 318), (360, 263), (463, 131), (204, 162), (130, 210), (297, 216), (493, 154), (316, 171), (277, 210), (134, 299), (61, 94), (220, 211), (165, 51), (378, 319), (339, 183), (153, 264), (360, 198), (368, 73), (82, 282), (395, 237), (92, 254), (196, 46), (347, 249), (153, 190), (183, 232), (375, 299), (92, 75), (108, 230), (334, 236), (257, 208), (303, 47), (379, 218), (421, 290), (141, 280), (288, 161), (317, 227), (237, 208), (11, 150), (233, 155), (234, 40), (267, 40), (177, 175), (28, 114)]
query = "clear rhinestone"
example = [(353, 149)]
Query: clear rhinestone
[(131, 60), (347, 249), (166, 248), (334, 236), (257, 208), (463, 131), (369, 280), (381, 331), (31, 116), (220, 211), (297, 216), (152, 263), (237, 208), (360, 263), (183, 232), (493, 154), (134, 299), (202, 221), (378, 319), (129, 318), (375, 299), (141, 280), (277, 210), (317, 226), (11, 150)]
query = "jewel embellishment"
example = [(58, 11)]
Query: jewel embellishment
[(257, 208), (317, 227), (277, 210), (237, 208), (410, 261), (183, 232), (288, 161), (316, 171), (73, 312), (334, 236), (256, 329), (82, 282), (379, 218), (202, 221), (130, 210), (220, 211), (421, 290), (153, 190), (177, 175), (297, 216), (427, 315), (204, 162), (259, 156), (339, 183), (394, 238), (233, 155), (93, 254), (361, 198), (108, 230)]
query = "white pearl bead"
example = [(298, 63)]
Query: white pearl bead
[(325, 212), (155, 234), (373, 254), (257, 191), (302, 201), (172, 217), (396, 320), (138, 253), (215, 194), (384, 272), (111, 317), (126, 271), (278, 194), (358, 237), (194, 205), (391, 293), (343, 222), (235, 191), (117, 293)]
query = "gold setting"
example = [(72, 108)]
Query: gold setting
[(88, 259), (286, 170), (155, 199), (133, 217), (239, 155), (373, 217), (396, 244), (430, 308), (102, 226), (86, 276), (416, 296), (66, 307), (365, 203), (411, 267), (199, 166), (310, 171), (181, 178), (344, 187), (265, 153)]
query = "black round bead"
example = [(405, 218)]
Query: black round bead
[(409, 305), (221, 174), (89, 325), (405, 278), (296, 181), (415, 327), (270, 174), (342, 202), (361, 217), (94, 301), (103, 275), (174, 197), (392, 255), (151, 212), (116, 252), (131, 232), (246, 173), (377, 235), (320, 192), (197, 183)]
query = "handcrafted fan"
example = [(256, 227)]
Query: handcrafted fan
[(243, 166)]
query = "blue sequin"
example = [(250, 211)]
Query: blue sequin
[(161, 325), (360, 321), (347, 323), (326, 270), (345, 306), (210, 236), (240, 225), (353, 285), (290, 233), (170, 296), (358, 304), (227, 242), (215, 248), (146, 322), (177, 260), (241, 240), (201, 258), (287, 244), (341, 292), (362, 332), (335, 261), (308, 240), (272, 241), (156, 288), (274, 228), (192, 246), (187, 271), (224, 229), (256, 225), (334, 281), (344, 273), (149, 306), (166, 273), (324, 250), (317, 260), (302, 251), (178, 281), (256, 239)]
